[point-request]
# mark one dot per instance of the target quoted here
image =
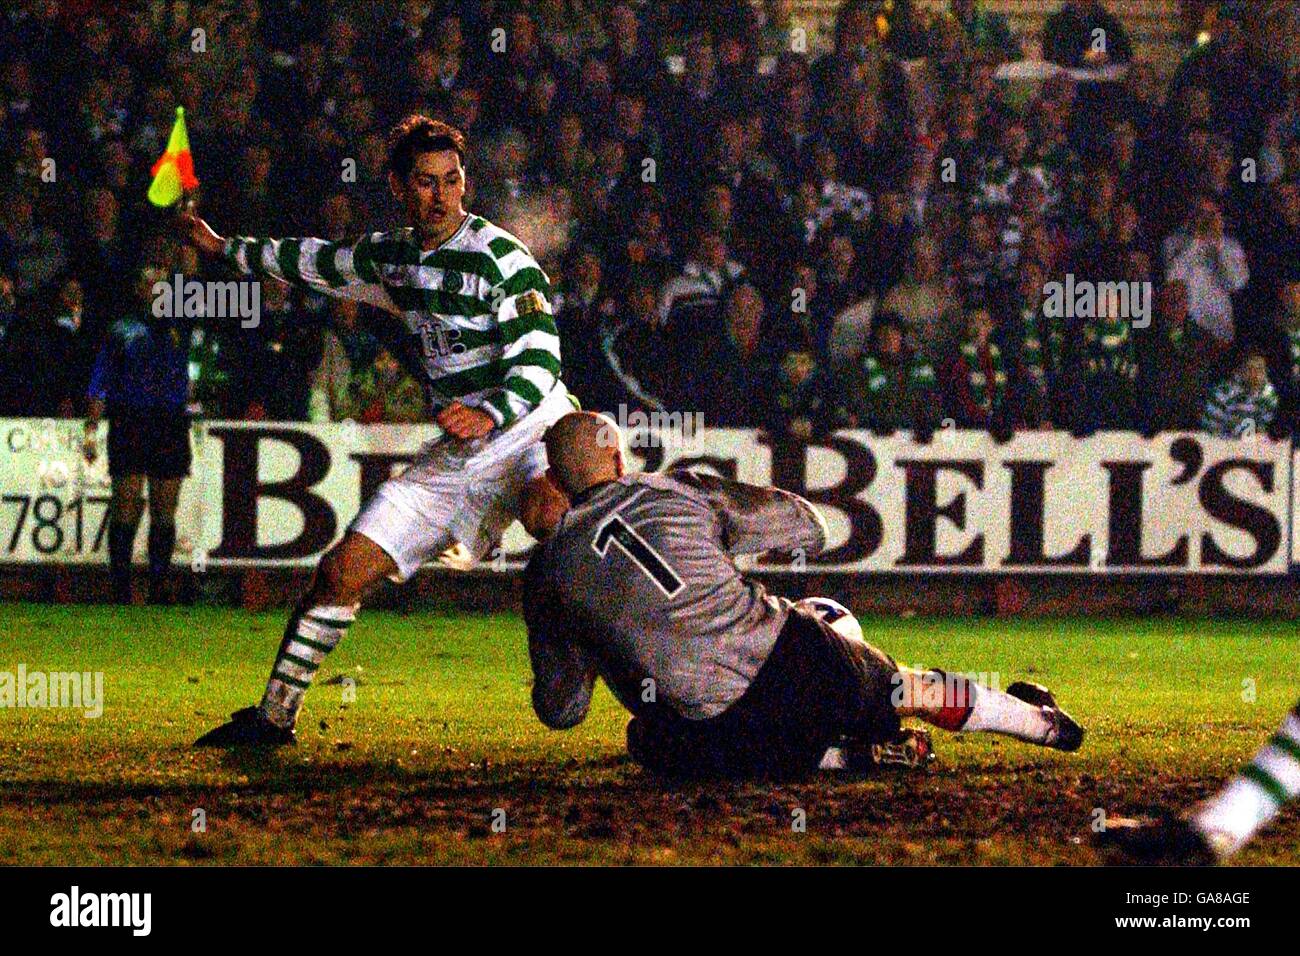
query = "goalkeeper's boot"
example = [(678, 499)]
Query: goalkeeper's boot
[(1166, 840), (1067, 733), (248, 728), (911, 749)]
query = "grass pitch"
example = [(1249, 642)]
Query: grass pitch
[(440, 748)]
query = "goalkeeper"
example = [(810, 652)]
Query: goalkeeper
[(637, 583), (478, 305)]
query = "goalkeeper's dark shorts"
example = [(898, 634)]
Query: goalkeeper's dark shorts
[(150, 443), (814, 688)]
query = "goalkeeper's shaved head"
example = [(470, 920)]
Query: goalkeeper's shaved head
[(584, 449)]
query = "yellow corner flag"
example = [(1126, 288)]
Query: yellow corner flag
[(174, 171)]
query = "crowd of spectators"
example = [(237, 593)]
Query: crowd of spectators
[(768, 236)]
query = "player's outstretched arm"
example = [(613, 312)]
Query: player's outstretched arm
[(564, 671), (564, 676), (331, 268), (756, 519)]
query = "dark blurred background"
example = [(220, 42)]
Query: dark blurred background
[(791, 215)]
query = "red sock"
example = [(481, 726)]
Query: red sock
[(958, 700)]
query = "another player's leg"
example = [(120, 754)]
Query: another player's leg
[(1223, 824), (163, 496), (125, 509), (1255, 796), (441, 500), (344, 576), (1027, 712)]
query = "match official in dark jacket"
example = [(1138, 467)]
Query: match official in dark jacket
[(140, 383)]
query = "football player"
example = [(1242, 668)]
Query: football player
[(637, 584), (476, 304)]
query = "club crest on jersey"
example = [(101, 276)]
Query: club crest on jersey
[(452, 282), (530, 302)]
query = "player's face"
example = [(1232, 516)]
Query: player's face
[(434, 191)]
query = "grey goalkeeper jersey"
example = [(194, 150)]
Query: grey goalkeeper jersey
[(638, 585)]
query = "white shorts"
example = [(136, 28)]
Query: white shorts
[(459, 493)]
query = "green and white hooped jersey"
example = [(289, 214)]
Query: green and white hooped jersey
[(479, 303)]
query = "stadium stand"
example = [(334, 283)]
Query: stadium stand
[(789, 181)]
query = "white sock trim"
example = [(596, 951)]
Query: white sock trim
[(833, 759), (316, 631), (996, 711), (338, 612)]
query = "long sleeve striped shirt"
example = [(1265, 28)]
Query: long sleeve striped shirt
[(479, 304)]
